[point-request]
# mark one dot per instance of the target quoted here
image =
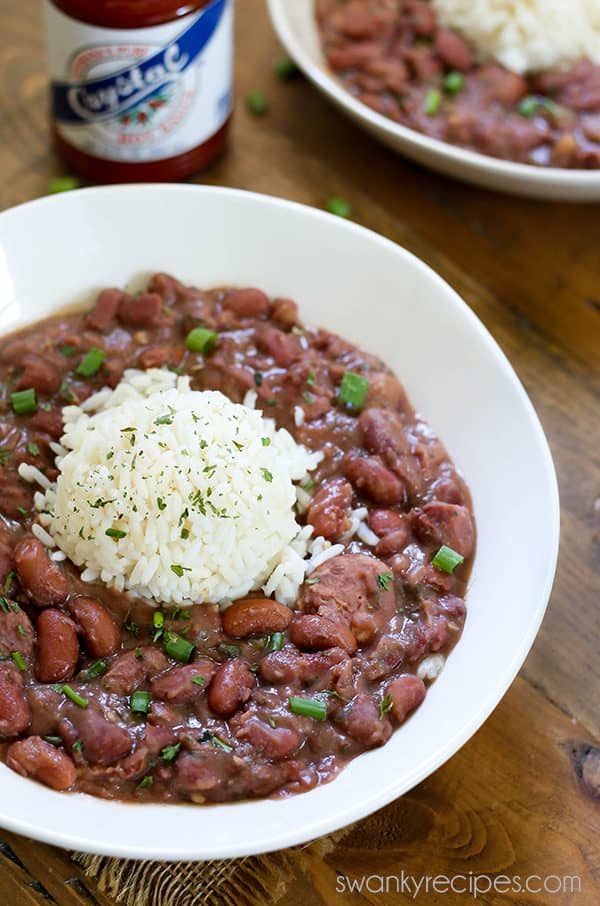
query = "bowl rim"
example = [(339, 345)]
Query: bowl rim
[(369, 801), (319, 75)]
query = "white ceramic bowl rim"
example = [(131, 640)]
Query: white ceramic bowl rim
[(115, 231), (327, 81)]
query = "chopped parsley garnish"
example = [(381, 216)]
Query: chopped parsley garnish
[(266, 441), (18, 660), (115, 534), (67, 350), (180, 570), (384, 580), (199, 680), (210, 737), (145, 782), (266, 475), (258, 378), (33, 449), (353, 390), (386, 704), (160, 503), (169, 753)]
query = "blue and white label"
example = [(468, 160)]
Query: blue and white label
[(141, 94)]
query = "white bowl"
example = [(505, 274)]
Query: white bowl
[(295, 24), (62, 249)]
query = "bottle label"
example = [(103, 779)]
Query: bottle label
[(136, 95)]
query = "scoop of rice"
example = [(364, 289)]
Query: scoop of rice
[(177, 495), (527, 35)]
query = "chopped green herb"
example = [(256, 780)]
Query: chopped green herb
[(22, 511), (199, 680), (308, 397), (310, 380), (447, 559), (272, 402), (454, 82), (384, 580), (339, 206), (115, 533), (91, 362), (9, 581), (164, 419), (256, 103), (533, 104), (63, 184), (169, 753), (77, 746), (21, 630), (161, 504), (24, 402), (266, 441), (266, 475), (258, 378), (275, 641), (145, 782), (139, 702), (53, 740), (98, 668), (180, 570), (67, 350), (74, 696), (131, 627), (202, 340), (33, 449), (5, 455), (18, 660), (353, 390), (207, 736), (386, 704), (185, 534), (433, 101), (285, 69), (308, 707), (177, 647), (229, 650)]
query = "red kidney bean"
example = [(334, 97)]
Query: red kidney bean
[(369, 475), (502, 85), (15, 714), (284, 347), (36, 758), (130, 670), (273, 742), (247, 303), (105, 309), (255, 616), (362, 721), (421, 18), (49, 421), (177, 686), (405, 694), (315, 633), (290, 665), (40, 374), (100, 632), (452, 49), (392, 543), (383, 522), (57, 647), (16, 631), (284, 313), (146, 310), (42, 579), (158, 356), (330, 507), (102, 741), (445, 523), (353, 55), (231, 687)]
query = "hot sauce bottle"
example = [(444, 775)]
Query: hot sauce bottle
[(140, 89)]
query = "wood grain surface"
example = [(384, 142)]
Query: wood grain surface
[(523, 796)]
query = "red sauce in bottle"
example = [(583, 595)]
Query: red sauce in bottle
[(141, 89)]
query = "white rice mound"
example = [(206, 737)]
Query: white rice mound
[(527, 35), (203, 490)]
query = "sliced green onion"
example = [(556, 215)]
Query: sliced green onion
[(447, 560), (353, 390), (386, 704), (18, 660), (339, 206), (275, 642), (77, 746), (98, 668), (308, 707), (180, 570), (90, 363), (67, 350), (285, 69), (115, 533), (75, 697), (199, 680), (531, 104), (169, 753), (177, 647), (200, 339), (207, 736), (33, 449), (53, 740), (145, 782), (454, 82), (63, 184), (384, 581), (24, 402), (139, 702), (256, 103), (433, 100), (158, 619)]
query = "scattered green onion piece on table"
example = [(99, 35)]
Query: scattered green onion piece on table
[(275, 642), (63, 184), (454, 82), (339, 206), (139, 702), (75, 697), (256, 103), (24, 402), (177, 647), (285, 69), (90, 363), (447, 560), (98, 668), (202, 340), (433, 101), (19, 660), (353, 390), (308, 707)]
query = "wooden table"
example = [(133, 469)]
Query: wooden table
[(513, 800)]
